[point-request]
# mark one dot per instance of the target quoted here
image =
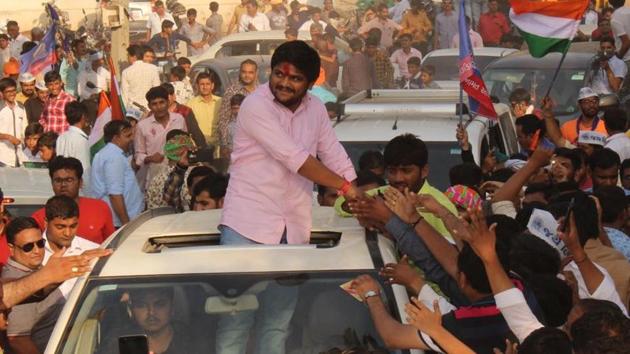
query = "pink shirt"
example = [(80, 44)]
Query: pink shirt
[(150, 135), (399, 57), (475, 40), (265, 193)]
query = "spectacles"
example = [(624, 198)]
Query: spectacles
[(28, 247), (67, 180)]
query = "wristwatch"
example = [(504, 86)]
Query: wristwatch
[(369, 294)]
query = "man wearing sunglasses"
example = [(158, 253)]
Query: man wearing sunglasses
[(30, 324)]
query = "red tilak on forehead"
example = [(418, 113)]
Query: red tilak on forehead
[(286, 68)]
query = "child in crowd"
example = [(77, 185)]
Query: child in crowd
[(47, 146), (32, 133), (183, 89), (426, 75), (414, 81)]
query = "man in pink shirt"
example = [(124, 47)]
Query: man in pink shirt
[(280, 132), (150, 135)]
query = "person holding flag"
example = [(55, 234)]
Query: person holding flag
[(470, 77), (92, 80)]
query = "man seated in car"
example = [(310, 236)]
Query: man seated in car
[(151, 311)]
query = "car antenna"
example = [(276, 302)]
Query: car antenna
[(395, 126)]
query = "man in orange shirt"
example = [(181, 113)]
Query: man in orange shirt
[(588, 101)]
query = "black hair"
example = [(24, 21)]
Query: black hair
[(191, 12), (613, 202), (74, 112), (135, 51), (6, 83), (615, 120), (371, 159), (501, 175), (467, 174), (624, 166), (237, 100), (413, 61), (183, 61), (506, 229), (145, 49), (597, 326), (214, 6), (429, 69), (356, 44), (32, 129), (61, 206), (571, 155), (76, 42), (51, 76), (4, 36), (137, 293), (48, 139), (114, 128), (178, 72), (65, 163), (546, 340), (603, 159), (27, 46), (18, 225), (614, 3), (167, 24), (543, 187), (523, 215), (214, 185), (519, 95), (205, 75), (371, 42), (585, 214), (199, 171), (300, 55), (406, 149), (530, 124), (11, 23), (291, 32), (156, 93), (607, 39), (365, 177), (169, 87), (554, 297), (375, 34), (405, 35), (175, 132), (471, 265), (530, 256)]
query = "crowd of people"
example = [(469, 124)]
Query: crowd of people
[(531, 248)]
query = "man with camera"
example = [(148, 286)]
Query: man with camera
[(609, 70)]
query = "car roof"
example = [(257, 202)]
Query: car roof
[(483, 51), (235, 61), (578, 57), (26, 185), (132, 259)]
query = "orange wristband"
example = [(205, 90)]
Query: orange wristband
[(345, 188)]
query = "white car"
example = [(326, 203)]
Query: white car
[(258, 42), (371, 119), (445, 62), (182, 252), (25, 190)]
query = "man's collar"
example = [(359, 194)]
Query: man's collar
[(15, 264)]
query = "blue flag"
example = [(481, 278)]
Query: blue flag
[(41, 58)]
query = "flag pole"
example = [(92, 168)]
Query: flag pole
[(461, 105), (555, 74)]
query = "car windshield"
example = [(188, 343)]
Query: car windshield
[(205, 312), (447, 69), (500, 82), (442, 156)]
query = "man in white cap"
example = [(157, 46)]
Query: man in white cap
[(35, 104), (27, 85), (94, 79), (590, 141), (588, 100)]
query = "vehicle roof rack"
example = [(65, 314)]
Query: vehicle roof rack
[(402, 102), (321, 239)]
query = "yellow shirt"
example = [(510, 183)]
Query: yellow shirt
[(238, 11), (20, 97), (431, 219), (206, 113)]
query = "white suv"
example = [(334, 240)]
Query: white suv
[(182, 252)]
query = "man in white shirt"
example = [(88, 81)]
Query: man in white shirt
[(94, 79), (154, 24), (196, 32), (316, 17), (616, 125), (138, 78), (16, 39), (12, 124), (620, 23), (252, 20), (610, 70), (74, 142), (62, 222), (475, 37)]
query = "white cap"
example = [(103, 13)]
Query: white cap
[(586, 92), (133, 113), (26, 77), (40, 85), (96, 56), (515, 164), (591, 137)]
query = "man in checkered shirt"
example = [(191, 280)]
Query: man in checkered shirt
[(53, 117)]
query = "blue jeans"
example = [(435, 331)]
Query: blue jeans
[(277, 304)]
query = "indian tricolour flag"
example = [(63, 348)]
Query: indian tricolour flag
[(547, 25)]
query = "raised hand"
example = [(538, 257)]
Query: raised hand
[(403, 274), (480, 237), (372, 208), (425, 320), (401, 204)]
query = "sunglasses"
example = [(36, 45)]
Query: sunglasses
[(28, 247)]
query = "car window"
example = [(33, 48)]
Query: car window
[(442, 156), (202, 311), (447, 69), (501, 82)]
